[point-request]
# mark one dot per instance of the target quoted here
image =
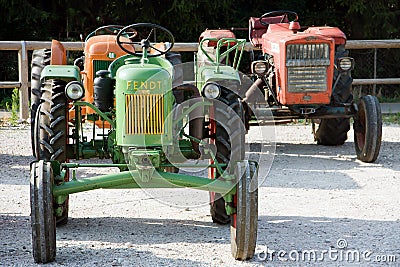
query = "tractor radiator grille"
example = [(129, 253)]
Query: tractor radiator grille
[(307, 79), (307, 55), (100, 65), (144, 114), (307, 67)]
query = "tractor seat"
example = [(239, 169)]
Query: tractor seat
[(217, 35), (211, 38), (256, 29)]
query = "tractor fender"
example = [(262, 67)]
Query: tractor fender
[(58, 53), (62, 72), (209, 74)]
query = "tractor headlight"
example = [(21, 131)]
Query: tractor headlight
[(259, 67), (74, 90), (345, 63), (211, 90)]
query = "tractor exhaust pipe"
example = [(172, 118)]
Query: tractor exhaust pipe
[(254, 94)]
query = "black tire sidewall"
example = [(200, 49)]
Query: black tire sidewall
[(369, 109), (230, 132), (40, 59), (42, 212)]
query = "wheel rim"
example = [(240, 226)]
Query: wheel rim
[(360, 140)]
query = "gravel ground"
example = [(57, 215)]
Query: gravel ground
[(315, 200)]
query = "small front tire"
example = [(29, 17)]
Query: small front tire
[(368, 129), (244, 222), (42, 212)]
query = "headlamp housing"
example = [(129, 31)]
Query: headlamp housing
[(345, 63), (211, 90), (74, 90), (259, 67)]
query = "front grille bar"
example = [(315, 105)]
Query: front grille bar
[(307, 79), (144, 114), (307, 55)]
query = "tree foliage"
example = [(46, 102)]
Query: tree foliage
[(67, 19)]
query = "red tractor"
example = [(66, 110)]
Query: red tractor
[(305, 73)]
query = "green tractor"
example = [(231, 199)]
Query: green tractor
[(147, 123)]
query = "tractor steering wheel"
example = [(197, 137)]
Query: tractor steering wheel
[(143, 34), (284, 13), (105, 30)]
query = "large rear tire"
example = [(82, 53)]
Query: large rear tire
[(368, 129), (42, 212), (227, 134), (333, 132), (244, 222), (53, 130), (40, 59)]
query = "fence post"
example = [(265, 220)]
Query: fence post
[(23, 79)]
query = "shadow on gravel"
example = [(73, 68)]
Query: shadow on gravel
[(142, 231), (83, 256), (297, 235), (116, 241), (134, 240), (119, 239), (15, 239), (75, 256), (289, 233)]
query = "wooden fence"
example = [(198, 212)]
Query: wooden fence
[(24, 46)]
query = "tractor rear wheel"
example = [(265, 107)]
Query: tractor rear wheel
[(244, 222), (40, 59), (333, 132), (53, 122), (175, 59), (53, 130), (42, 212), (227, 134), (368, 129)]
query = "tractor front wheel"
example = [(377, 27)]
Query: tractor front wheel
[(42, 212), (368, 129), (244, 222)]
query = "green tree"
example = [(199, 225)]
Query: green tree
[(371, 19)]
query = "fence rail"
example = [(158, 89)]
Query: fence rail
[(24, 46)]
